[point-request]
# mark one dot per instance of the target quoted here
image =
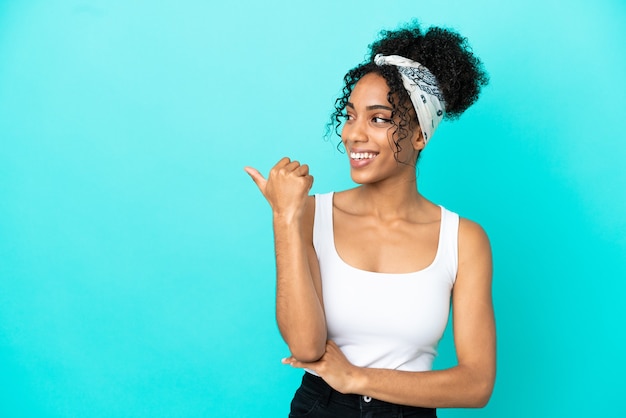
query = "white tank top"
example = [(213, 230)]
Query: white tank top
[(384, 320)]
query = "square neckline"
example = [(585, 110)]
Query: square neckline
[(378, 273)]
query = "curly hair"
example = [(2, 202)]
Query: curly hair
[(444, 52)]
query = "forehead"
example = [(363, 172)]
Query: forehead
[(370, 89)]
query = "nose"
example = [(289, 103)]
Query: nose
[(354, 131)]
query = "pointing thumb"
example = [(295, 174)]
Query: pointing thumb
[(257, 177)]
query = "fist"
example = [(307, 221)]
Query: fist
[(287, 186)]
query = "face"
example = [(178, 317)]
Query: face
[(368, 135)]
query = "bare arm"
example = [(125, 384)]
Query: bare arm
[(299, 308), (470, 383)]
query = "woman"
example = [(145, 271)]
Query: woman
[(365, 276)]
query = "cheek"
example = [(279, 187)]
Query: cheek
[(393, 139)]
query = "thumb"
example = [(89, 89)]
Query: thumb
[(257, 177)]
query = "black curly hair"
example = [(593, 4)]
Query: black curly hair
[(444, 52)]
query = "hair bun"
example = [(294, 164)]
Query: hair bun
[(446, 54)]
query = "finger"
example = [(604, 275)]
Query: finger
[(331, 347), (282, 166), (257, 177), (292, 166), (303, 170), (300, 365), (282, 162), (294, 362)]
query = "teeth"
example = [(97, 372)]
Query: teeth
[(362, 155)]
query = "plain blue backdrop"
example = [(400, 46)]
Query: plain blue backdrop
[(136, 258)]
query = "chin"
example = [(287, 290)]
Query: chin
[(360, 179)]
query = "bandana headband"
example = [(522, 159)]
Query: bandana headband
[(423, 90)]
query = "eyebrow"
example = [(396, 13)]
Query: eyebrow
[(372, 107)]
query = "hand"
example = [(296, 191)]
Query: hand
[(286, 187), (333, 367)]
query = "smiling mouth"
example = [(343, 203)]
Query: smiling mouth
[(362, 155)]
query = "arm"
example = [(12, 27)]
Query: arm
[(299, 309), (468, 384)]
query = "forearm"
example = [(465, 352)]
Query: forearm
[(457, 387), (299, 311)]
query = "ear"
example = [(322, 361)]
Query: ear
[(417, 140)]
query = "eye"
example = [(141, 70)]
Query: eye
[(378, 119)]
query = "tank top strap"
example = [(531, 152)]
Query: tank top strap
[(323, 223), (449, 245)]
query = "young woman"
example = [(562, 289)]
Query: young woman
[(365, 276)]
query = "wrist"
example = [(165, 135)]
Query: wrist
[(286, 219), (359, 380)]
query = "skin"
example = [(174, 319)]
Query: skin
[(384, 225)]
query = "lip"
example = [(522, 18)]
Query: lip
[(364, 162), (370, 151), (360, 163)]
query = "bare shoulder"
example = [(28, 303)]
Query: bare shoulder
[(472, 236), (345, 200), (474, 250)]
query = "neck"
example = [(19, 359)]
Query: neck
[(387, 200)]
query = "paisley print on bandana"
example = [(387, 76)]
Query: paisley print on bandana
[(423, 90)]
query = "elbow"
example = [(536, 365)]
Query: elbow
[(307, 347), (306, 343), (481, 401), (307, 353), (478, 383), (482, 394)]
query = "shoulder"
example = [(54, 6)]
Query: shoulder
[(345, 200), (470, 230), (473, 242)]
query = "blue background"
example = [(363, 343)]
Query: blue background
[(136, 259)]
